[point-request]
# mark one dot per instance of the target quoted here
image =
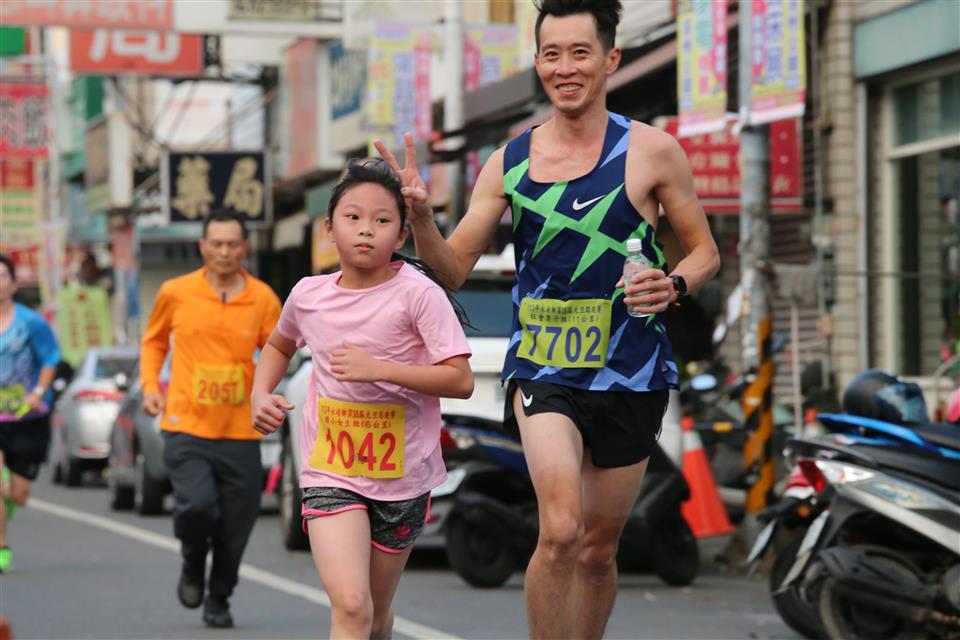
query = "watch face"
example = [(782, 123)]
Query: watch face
[(679, 285)]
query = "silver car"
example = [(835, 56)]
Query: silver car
[(84, 413)]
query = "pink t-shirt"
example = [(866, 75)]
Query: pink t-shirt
[(378, 439)]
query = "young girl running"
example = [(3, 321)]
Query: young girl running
[(385, 343)]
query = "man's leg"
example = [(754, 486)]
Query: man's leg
[(553, 448), (195, 508), (608, 499), (239, 483)]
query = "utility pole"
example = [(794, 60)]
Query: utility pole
[(755, 268), (453, 105)]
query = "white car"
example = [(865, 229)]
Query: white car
[(486, 297)]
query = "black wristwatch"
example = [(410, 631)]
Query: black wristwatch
[(679, 285)]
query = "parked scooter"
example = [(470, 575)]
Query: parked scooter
[(882, 560), (902, 446), (491, 522)]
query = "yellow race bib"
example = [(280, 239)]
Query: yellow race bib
[(11, 398), (565, 333), (215, 384), (359, 439)]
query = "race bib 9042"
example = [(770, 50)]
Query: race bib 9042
[(565, 333), (359, 439), (215, 384)]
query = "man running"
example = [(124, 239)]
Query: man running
[(28, 358), (217, 316), (587, 383)]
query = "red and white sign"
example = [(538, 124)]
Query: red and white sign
[(117, 14), (115, 51), (23, 119), (16, 174), (714, 160), (301, 73)]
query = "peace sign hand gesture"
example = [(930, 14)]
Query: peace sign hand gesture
[(414, 190)]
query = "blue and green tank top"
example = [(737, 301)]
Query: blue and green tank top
[(570, 325)]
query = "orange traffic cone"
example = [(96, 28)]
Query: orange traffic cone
[(704, 511)]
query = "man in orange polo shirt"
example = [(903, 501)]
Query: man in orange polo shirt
[(217, 317)]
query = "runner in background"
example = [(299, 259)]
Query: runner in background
[(214, 319), (28, 358)]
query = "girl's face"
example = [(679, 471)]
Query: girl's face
[(366, 227)]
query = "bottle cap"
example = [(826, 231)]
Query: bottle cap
[(634, 245)]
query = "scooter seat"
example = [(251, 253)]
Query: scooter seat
[(941, 434), (929, 467)]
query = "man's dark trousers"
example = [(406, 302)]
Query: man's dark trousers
[(216, 488)]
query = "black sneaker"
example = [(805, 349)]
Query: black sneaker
[(216, 612), (190, 588)]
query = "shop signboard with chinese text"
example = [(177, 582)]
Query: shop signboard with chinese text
[(701, 66), (196, 183), (283, 10), (117, 14), (85, 322), (714, 160), (117, 51), (23, 119), (779, 84), (20, 195)]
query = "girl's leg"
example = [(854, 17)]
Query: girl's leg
[(385, 571), (340, 545)]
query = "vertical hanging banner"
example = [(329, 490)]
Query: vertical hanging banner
[(398, 80), (300, 67), (779, 81), (702, 66), (489, 55), (23, 119)]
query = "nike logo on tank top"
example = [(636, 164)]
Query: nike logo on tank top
[(570, 325)]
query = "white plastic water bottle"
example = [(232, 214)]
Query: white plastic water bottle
[(635, 263)]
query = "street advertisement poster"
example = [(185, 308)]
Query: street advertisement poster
[(714, 160), (20, 195), (117, 51), (348, 80), (23, 119), (779, 81), (24, 250), (196, 183), (301, 78), (489, 54), (701, 66), (118, 14), (85, 322), (398, 81)]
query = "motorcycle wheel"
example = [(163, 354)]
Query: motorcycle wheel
[(477, 556), (847, 619), (674, 553), (799, 614)]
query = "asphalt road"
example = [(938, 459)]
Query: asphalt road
[(83, 571)]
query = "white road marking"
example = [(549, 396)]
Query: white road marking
[(248, 572)]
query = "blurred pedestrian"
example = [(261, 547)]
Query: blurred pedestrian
[(28, 358), (587, 379), (385, 343), (217, 317)]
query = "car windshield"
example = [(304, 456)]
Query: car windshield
[(489, 308), (109, 366)]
